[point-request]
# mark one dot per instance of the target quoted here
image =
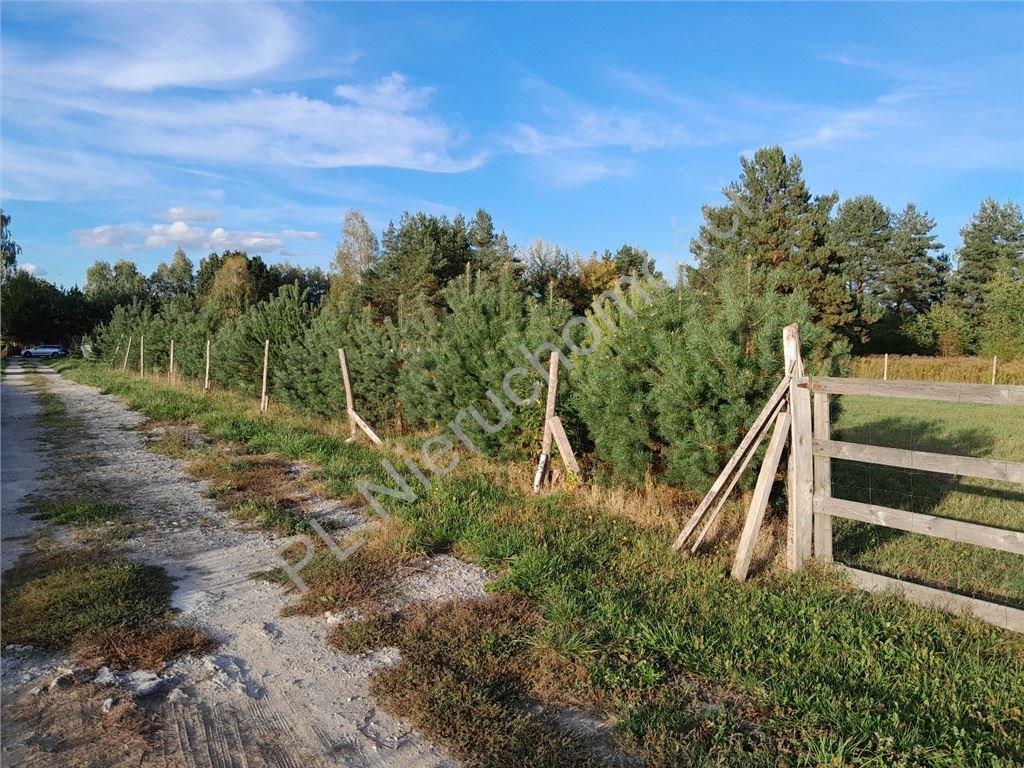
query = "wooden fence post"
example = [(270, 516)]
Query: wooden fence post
[(350, 407), (885, 368), (206, 379), (800, 522), (142, 356), (354, 419), (266, 362), (124, 366), (759, 502), (170, 365), (544, 461), (822, 479), (994, 359)]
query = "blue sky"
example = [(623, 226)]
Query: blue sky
[(130, 129)]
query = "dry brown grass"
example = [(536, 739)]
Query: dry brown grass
[(957, 370), (365, 581), (143, 649), (68, 727)]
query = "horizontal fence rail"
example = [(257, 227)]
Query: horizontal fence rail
[(1003, 616), (985, 394), (964, 466), (917, 522)]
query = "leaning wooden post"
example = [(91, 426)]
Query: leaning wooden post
[(994, 359), (885, 368), (170, 365), (800, 522), (206, 379), (350, 407), (354, 419), (759, 501), (544, 462), (124, 366), (822, 480), (266, 362), (142, 356)]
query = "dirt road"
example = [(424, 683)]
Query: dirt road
[(273, 694)]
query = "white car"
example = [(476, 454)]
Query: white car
[(45, 350)]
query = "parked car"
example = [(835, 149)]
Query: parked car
[(44, 350)]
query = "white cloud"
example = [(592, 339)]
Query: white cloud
[(176, 213), (388, 93), (142, 47), (586, 128), (32, 269), (135, 237), (128, 90)]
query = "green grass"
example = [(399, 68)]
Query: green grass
[(697, 669), (271, 515), (952, 428), (79, 513), (49, 605)]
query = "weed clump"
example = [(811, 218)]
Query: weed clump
[(81, 513), (468, 677), (106, 608)]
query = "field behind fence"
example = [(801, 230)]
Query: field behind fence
[(956, 370)]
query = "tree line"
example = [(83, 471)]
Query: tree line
[(658, 383)]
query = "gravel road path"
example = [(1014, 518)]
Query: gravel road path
[(273, 694)]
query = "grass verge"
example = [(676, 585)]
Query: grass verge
[(697, 669)]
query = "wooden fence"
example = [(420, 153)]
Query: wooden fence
[(823, 506), (806, 423)]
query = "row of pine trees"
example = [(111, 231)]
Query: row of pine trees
[(663, 380)]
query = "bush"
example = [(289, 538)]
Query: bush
[(310, 373), (1002, 331), (238, 348), (481, 340), (673, 392)]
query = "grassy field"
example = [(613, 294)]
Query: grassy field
[(593, 609), (953, 428), (961, 370)]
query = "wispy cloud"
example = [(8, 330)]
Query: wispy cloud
[(178, 213), (144, 47), (300, 234), (151, 84)]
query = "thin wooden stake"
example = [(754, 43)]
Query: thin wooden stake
[(170, 366), (349, 402), (759, 502), (142, 356), (354, 419), (724, 496), (124, 366), (264, 403), (885, 368), (994, 359), (801, 449), (564, 448), (822, 479), (544, 461), (759, 425), (206, 379), (367, 429)]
